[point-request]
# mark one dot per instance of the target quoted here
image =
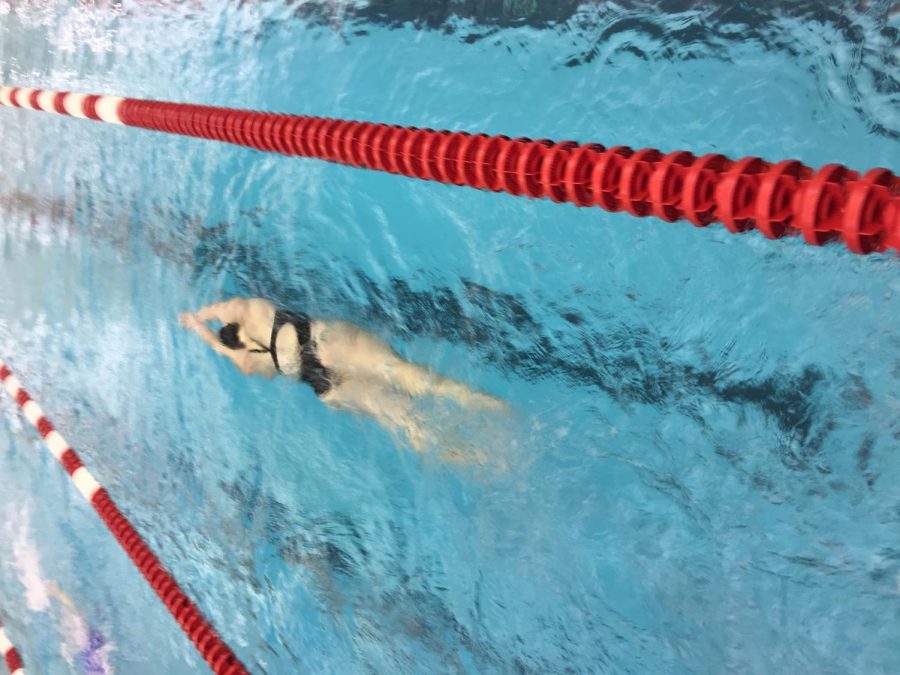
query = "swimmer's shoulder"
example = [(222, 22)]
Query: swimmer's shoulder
[(256, 311)]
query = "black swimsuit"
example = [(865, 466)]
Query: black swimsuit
[(311, 369)]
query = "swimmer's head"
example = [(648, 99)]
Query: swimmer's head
[(228, 336)]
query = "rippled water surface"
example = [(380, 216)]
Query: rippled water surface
[(701, 471)]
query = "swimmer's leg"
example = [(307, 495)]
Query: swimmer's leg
[(420, 381), (455, 437), (391, 409), (357, 353)]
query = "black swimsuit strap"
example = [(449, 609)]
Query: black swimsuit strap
[(312, 371), (300, 322)]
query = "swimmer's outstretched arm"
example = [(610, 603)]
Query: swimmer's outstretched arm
[(236, 310), (192, 322), (54, 590), (230, 311)]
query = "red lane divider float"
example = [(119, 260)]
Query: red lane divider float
[(10, 654), (215, 652), (831, 203)]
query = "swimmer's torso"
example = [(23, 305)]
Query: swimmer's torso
[(281, 342), (255, 317)]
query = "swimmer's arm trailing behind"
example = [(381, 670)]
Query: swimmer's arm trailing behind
[(55, 591)]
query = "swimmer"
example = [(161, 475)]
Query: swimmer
[(82, 645), (347, 367), (92, 655)]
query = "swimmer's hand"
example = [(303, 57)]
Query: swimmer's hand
[(190, 321), (196, 324)]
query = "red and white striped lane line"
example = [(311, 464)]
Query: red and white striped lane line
[(778, 199), (10, 654), (215, 652), (102, 108)]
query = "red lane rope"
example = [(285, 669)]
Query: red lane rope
[(10, 654), (784, 198), (214, 651)]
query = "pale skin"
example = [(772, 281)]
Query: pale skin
[(54, 590), (369, 376)]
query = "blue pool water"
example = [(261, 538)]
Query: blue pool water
[(701, 471)]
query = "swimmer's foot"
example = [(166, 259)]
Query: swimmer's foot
[(416, 435), (477, 401), (462, 455)]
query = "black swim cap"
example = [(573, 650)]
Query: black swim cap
[(228, 336)]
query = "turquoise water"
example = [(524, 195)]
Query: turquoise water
[(701, 470)]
